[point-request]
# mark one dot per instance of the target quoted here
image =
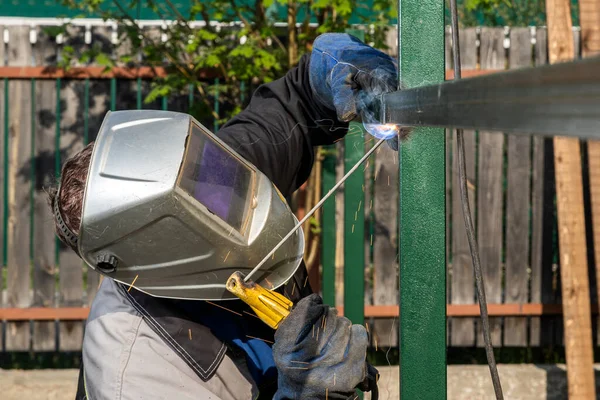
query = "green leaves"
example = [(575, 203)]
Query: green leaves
[(247, 46)]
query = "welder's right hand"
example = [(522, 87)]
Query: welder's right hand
[(319, 354)]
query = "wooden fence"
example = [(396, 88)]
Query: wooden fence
[(46, 116)]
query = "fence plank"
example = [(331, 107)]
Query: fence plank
[(463, 329), (385, 242), (448, 134), (4, 187), (19, 262), (517, 204), (44, 52), (543, 217), (70, 265), (339, 218), (369, 219), (489, 199), (98, 105)]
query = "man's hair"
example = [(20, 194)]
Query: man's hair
[(69, 193)]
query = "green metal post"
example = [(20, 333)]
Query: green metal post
[(354, 222), (328, 241), (139, 93), (113, 94), (422, 212)]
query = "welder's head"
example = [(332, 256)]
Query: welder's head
[(69, 199), (161, 201)]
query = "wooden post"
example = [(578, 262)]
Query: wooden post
[(589, 15), (571, 227)]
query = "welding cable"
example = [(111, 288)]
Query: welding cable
[(469, 227)]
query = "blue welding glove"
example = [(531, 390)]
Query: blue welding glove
[(348, 76), (319, 354)]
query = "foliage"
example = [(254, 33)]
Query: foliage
[(245, 46), (506, 12)]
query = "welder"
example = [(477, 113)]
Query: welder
[(161, 207)]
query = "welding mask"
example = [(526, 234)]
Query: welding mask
[(172, 209)]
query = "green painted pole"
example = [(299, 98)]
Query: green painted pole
[(328, 240), (113, 94), (354, 222), (422, 212)]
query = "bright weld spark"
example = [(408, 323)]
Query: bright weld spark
[(367, 326), (224, 308), (257, 338), (382, 131), (300, 362), (252, 315), (134, 279), (227, 256), (190, 333), (317, 333), (305, 281), (359, 204), (375, 339), (352, 228)]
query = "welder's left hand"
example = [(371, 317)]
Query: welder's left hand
[(346, 74), (319, 354)]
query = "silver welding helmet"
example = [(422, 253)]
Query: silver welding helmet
[(172, 209)]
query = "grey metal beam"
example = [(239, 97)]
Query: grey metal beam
[(560, 99)]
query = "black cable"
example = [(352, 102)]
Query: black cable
[(464, 197)]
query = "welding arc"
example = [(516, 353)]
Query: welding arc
[(469, 227), (315, 208)]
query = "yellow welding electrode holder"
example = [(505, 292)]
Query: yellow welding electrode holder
[(271, 307)]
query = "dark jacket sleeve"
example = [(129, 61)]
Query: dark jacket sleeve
[(280, 127)]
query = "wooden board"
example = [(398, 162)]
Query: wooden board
[(517, 205), (448, 134), (385, 242), (542, 217), (463, 290), (70, 265), (18, 275), (44, 333), (489, 191), (3, 177), (98, 105), (339, 232), (571, 222), (589, 16)]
